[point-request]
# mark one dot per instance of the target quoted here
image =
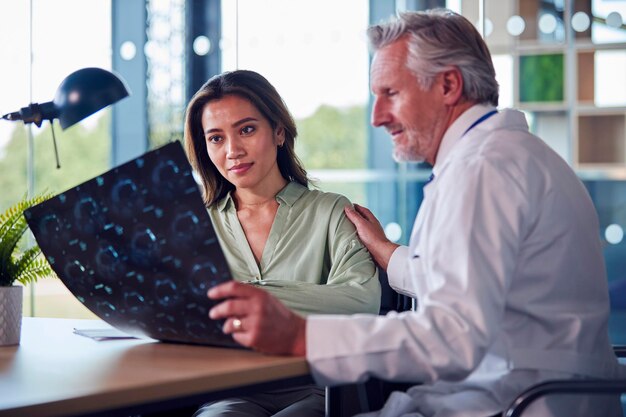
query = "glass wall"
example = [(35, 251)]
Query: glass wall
[(43, 42), (315, 53), (318, 61)]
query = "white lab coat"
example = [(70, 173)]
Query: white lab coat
[(506, 264)]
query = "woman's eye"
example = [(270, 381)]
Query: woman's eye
[(246, 130), (214, 139)]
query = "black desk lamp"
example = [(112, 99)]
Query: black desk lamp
[(80, 94)]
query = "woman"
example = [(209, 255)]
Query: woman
[(275, 232)]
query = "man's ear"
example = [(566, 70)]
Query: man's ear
[(452, 85)]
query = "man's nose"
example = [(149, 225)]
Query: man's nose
[(380, 115)]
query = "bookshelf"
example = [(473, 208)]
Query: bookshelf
[(568, 64)]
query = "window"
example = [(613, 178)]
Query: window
[(27, 161), (318, 61), (316, 55)]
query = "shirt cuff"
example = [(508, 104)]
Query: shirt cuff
[(397, 266), (320, 354), (345, 360)]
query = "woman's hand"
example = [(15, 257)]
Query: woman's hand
[(258, 320)]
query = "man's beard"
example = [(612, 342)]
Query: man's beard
[(405, 157), (408, 153)]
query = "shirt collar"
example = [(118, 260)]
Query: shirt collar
[(291, 193), (224, 202), (288, 195), (456, 130)]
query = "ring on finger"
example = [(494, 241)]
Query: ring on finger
[(237, 324)]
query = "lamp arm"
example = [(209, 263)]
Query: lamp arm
[(34, 113)]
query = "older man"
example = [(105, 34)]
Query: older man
[(504, 259)]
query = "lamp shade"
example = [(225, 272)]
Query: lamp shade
[(80, 94), (86, 91)]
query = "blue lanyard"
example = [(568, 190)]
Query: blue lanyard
[(480, 120)]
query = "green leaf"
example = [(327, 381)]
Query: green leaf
[(39, 268), (27, 267)]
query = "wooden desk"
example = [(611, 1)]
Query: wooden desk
[(54, 372)]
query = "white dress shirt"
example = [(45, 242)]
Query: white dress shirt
[(505, 262)]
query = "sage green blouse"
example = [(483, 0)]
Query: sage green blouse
[(313, 260)]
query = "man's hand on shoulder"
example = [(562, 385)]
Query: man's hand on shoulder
[(372, 234)]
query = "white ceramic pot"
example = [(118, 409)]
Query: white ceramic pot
[(10, 315)]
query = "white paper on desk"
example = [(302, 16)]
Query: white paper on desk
[(103, 334), (137, 247)]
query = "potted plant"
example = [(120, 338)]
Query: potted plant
[(17, 265)]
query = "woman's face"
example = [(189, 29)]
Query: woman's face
[(241, 143)]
